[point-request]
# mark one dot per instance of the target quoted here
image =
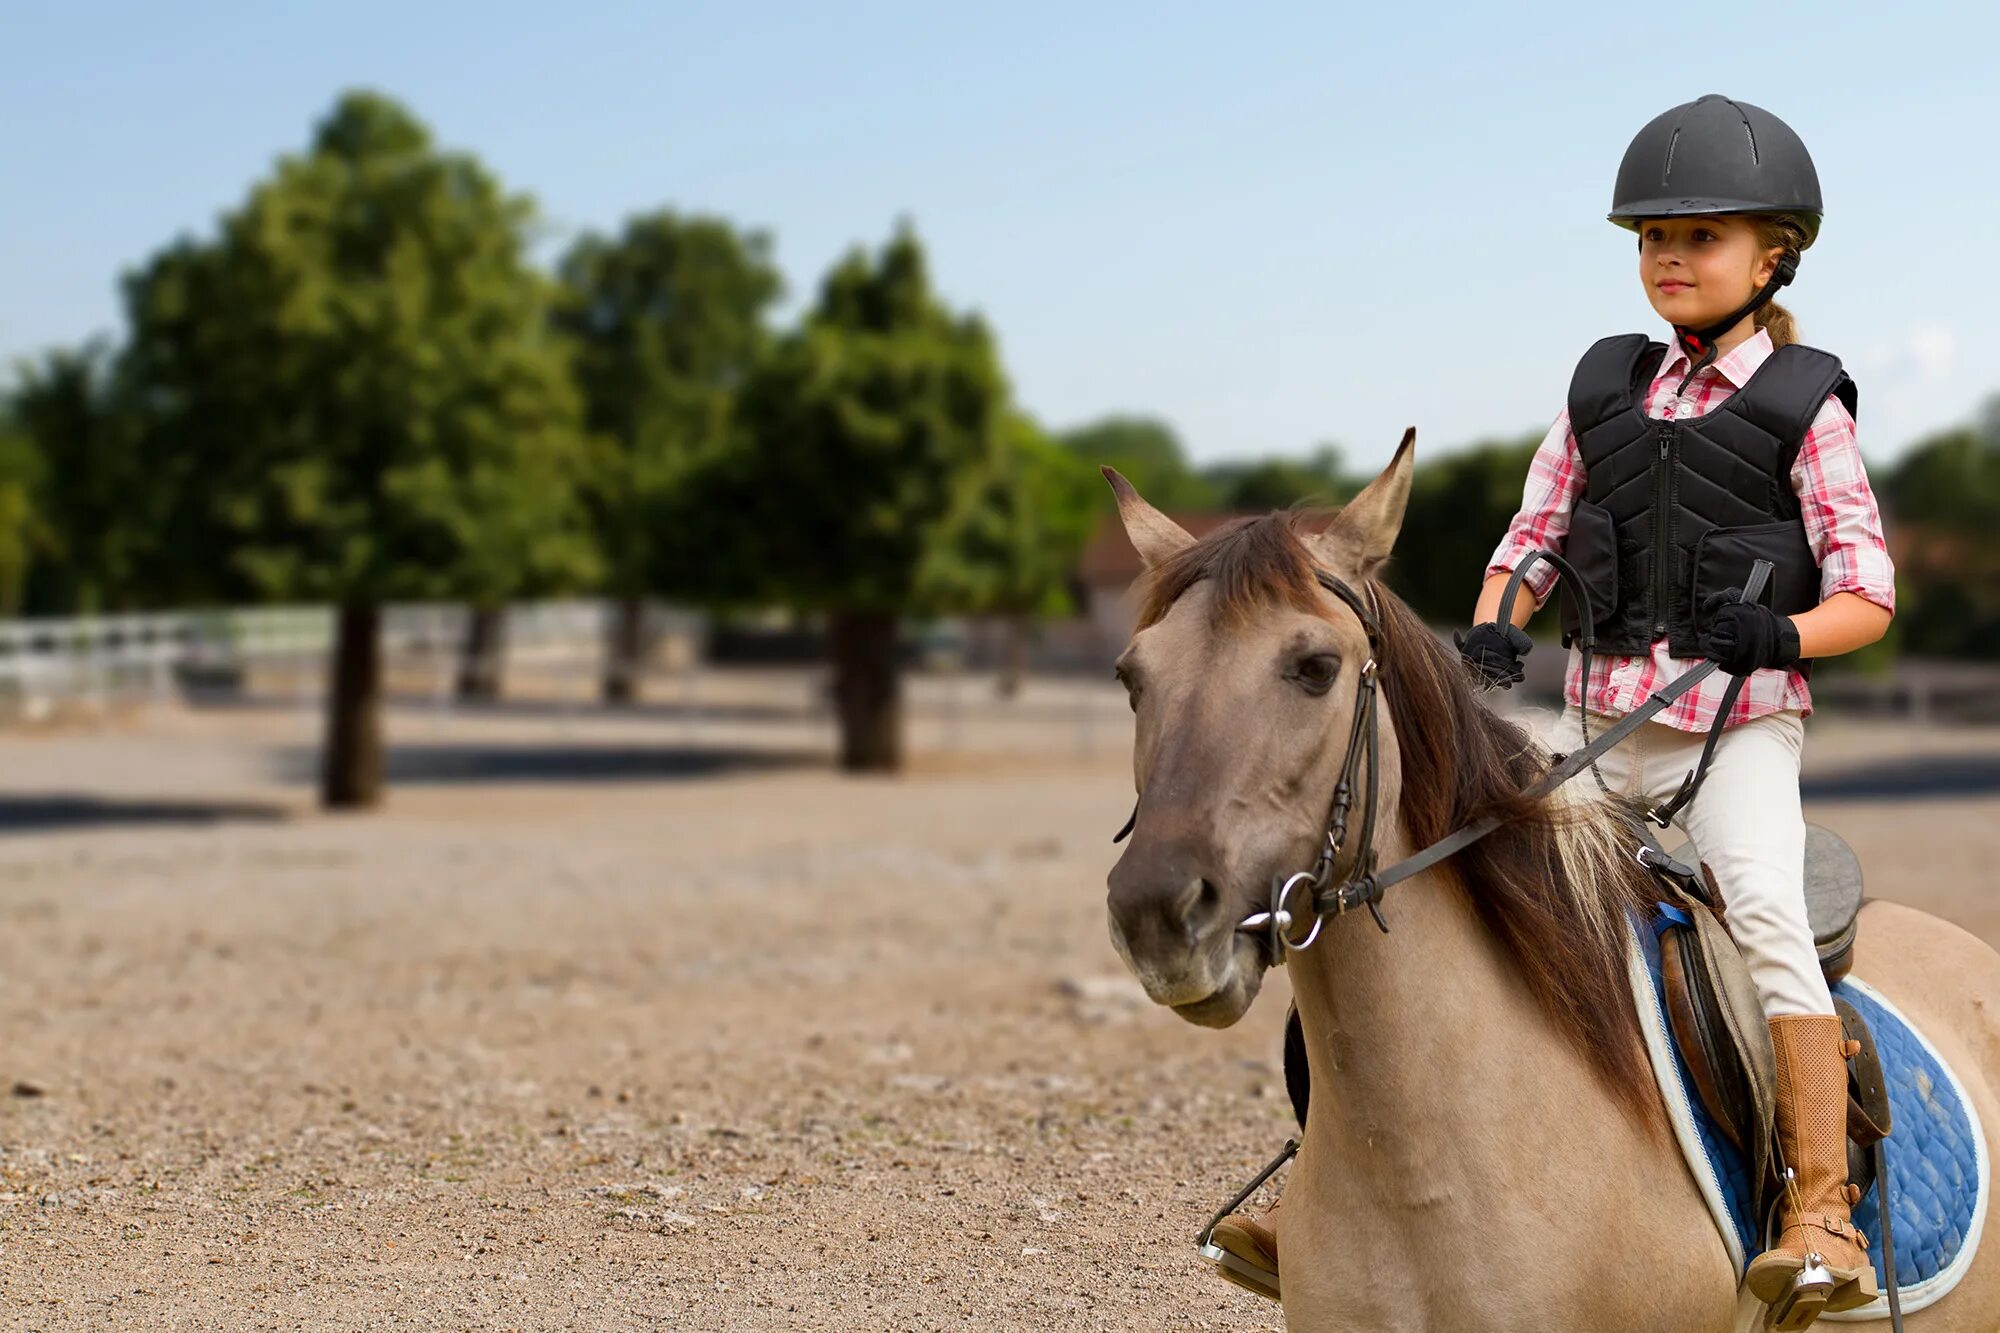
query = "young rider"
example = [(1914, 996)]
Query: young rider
[(1672, 470)]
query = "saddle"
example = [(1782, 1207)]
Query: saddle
[(1718, 1021)]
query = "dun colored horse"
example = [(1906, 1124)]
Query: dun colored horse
[(1486, 1148)]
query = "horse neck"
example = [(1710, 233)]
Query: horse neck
[(1429, 1035), (1463, 1164)]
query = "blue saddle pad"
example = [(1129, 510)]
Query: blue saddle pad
[(1937, 1168)]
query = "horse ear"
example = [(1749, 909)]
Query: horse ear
[(1363, 532), (1152, 534)]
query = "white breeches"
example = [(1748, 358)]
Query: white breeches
[(1745, 823)]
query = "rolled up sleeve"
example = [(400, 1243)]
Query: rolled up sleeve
[(1555, 475), (1843, 523)]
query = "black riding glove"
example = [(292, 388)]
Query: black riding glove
[(1494, 651), (1744, 637)]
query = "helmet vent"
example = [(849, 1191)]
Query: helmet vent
[(1667, 172), (1749, 133)]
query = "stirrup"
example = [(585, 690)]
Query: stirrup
[(1235, 1269), (1804, 1299)]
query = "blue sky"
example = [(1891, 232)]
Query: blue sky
[(1271, 225)]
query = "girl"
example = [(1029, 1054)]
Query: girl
[(1671, 471)]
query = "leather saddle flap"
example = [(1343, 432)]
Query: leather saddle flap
[(1718, 1022)]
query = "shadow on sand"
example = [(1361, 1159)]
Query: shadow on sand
[(1908, 778), (58, 812), (418, 763), (651, 710)]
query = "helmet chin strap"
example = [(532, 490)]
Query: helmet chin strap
[(1699, 344)]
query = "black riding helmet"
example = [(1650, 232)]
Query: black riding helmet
[(1714, 155)]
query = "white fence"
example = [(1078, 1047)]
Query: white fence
[(96, 662)]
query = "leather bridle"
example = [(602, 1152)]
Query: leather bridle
[(1362, 886), (1294, 926), (1363, 738)]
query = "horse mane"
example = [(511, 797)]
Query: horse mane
[(1555, 883)]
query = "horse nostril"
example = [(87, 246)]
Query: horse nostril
[(1158, 893), (1207, 905)]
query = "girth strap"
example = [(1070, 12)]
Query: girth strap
[(1888, 1236)]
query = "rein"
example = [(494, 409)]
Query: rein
[(1366, 886)]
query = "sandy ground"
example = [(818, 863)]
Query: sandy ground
[(651, 1022)]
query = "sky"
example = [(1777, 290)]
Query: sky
[(1270, 225)]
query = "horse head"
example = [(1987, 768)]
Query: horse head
[(1242, 676)]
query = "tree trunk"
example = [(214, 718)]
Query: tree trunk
[(625, 651), (867, 690), (1014, 664), (484, 654), (351, 777)]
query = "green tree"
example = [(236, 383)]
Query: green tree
[(1460, 505), (1264, 484), (21, 530), (96, 515), (668, 323), (1014, 550), (1945, 496), (352, 394), (865, 435), (1149, 455)]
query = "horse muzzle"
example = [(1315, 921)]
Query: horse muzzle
[(1178, 934)]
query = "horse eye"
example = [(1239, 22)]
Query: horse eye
[(1317, 673), (1131, 685)]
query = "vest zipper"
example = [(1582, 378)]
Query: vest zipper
[(1663, 532)]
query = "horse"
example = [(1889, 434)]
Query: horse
[(1486, 1148)]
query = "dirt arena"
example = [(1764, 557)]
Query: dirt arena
[(653, 1022)]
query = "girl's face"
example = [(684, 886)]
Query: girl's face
[(1697, 270)]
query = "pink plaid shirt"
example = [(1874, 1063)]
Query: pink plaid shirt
[(1842, 525)]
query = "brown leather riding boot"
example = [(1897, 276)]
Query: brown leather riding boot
[(1820, 1263), (1250, 1246)]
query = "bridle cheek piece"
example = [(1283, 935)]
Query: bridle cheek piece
[(1285, 919)]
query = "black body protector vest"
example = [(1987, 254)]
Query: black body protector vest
[(1675, 510)]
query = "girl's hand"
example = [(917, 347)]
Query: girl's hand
[(1494, 651), (1743, 637)]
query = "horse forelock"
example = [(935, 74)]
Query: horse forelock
[(1554, 884), (1251, 563)]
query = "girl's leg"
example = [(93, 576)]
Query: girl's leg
[(1747, 825)]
